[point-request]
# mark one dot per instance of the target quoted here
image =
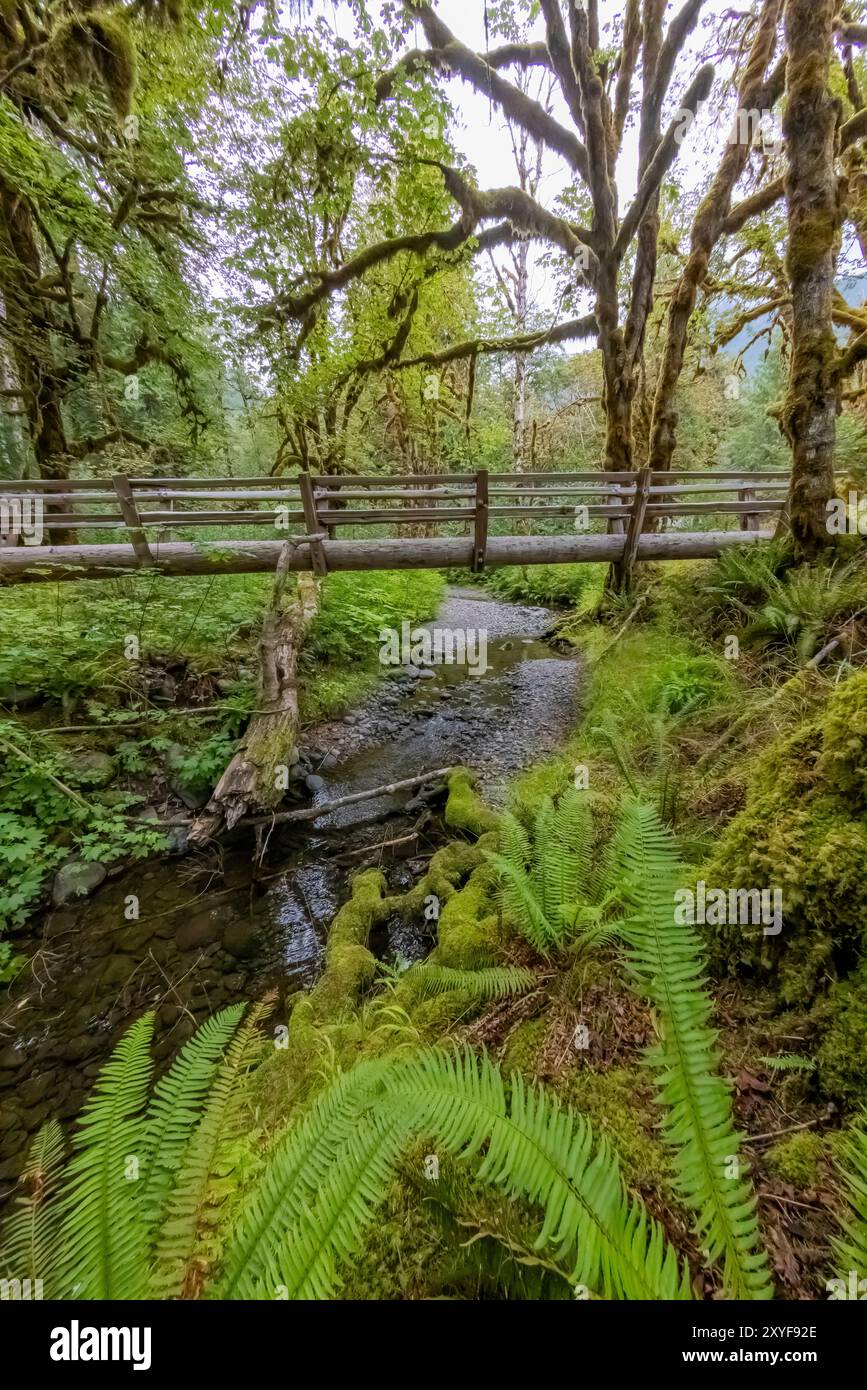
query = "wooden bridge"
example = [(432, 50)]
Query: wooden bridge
[(643, 515)]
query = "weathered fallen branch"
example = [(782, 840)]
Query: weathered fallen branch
[(326, 807), (252, 780)]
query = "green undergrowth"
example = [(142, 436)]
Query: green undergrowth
[(149, 682)]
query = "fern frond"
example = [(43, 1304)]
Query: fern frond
[(666, 959), (538, 1150), (174, 1109), (520, 904), (788, 1061), (494, 982), (514, 842), (30, 1232), (331, 1229), (258, 1259), (187, 1204), (103, 1237), (851, 1250), (573, 836)]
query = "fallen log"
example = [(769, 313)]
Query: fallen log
[(255, 778), (26, 564), (326, 807)]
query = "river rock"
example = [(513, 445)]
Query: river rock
[(133, 937), (34, 1090), (77, 1049), (117, 970), (75, 879), (178, 837), (313, 782), (11, 1057), (11, 1168), (19, 696), (193, 797), (199, 930), (241, 939), (94, 768)]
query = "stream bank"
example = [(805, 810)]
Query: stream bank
[(213, 928)]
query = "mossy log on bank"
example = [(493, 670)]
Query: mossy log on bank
[(48, 564)]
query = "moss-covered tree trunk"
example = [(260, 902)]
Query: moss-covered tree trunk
[(755, 92), (29, 329), (812, 401)]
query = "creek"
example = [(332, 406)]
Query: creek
[(214, 927)]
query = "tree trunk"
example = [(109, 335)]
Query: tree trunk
[(31, 347), (753, 93), (254, 779), (809, 416)]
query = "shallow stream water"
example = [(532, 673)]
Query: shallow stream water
[(214, 928)]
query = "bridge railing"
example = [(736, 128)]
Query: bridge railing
[(319, 505)]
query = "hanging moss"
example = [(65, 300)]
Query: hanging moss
[(98, 43)]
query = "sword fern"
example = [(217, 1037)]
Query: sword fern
[(666, 960)]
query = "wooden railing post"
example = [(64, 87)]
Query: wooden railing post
[(480, 521), (318, 562), (616, 524), (623, 569), (129, 512), (749, 520)]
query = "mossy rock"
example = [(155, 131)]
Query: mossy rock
[(844, 750), (841, 1059), (803, 830), (356, 918), (469, 931), (349, 973), (796, 1159), (465, 809), (448, 869), (350, 967), (619, 1103), (434, 1017), (522, 1047)]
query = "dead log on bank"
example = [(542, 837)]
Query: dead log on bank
[(253, 780)]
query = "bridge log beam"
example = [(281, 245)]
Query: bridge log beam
[(48, 564)]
